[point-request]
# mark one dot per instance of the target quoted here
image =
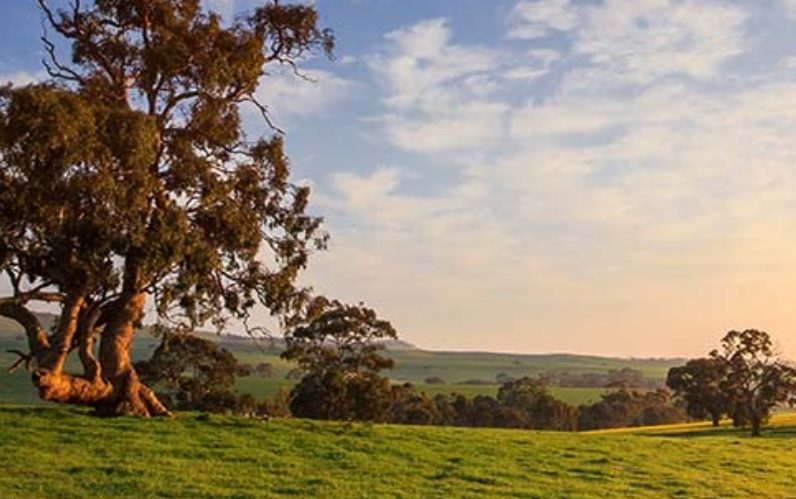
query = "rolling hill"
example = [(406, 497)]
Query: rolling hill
[(457, 369), (55, 453)]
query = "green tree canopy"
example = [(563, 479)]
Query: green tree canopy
[(756, 379), (340, 354), (699, 384), (127, 176)]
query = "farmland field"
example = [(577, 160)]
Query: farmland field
[(56, 453), (260, 388), (412, 365)]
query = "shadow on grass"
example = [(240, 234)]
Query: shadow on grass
[(780, 432)]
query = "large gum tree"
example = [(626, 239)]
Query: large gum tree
[(127, 178)]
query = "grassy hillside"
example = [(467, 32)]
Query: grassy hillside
[(453, 367), (60, 454), (261, 388), (412, 365)]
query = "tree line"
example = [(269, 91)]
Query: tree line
[(340, 355), (342, 362), (193, 374)]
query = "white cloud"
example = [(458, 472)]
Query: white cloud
[(225, 8), (21, 78), (623, 187), (540, 18), (694, 199), (437, 92), (637, 41), (291, 96), (422, 63), (790, 7), (479, 125), (536, 64), (640, 40)]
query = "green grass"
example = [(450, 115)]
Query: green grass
[(265, 388), (454, 367), (414, 366), (782, 425), (54, 453), (15, 388)]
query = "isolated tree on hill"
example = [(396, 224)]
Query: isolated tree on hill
[(340, 354), (756, 380), (699, 384), (127, 177), (191, 373)]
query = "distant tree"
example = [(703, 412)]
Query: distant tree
[(625, 408), (294, 374), (277, 406), (756, 380), (265, 370), (446, 411), (244, 370), (192, 373), (246, 405), (127, 177), (462, 407), (543, 410), (484, 411), (412, 408), (658, 409), (699, 385), (434, 380), (475, 382), (625, 377), (339, 352)]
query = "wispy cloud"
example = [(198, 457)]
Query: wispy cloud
[(540, 18), (309, 93), (437, 92), (21, 78), (647, 172), (640, 40)]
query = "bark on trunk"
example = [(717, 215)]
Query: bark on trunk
[(757, 425), (129, 395), (109, 384)]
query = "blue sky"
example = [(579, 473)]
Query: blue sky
[(607, 176)]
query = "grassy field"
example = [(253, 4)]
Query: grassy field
[(412, 365), (261, 388), (49, 453), (455, 367)]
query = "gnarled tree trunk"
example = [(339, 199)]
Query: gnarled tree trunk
[(129, 395), (109, 384)]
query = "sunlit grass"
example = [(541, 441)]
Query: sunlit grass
[(263, 388), (61, 454)]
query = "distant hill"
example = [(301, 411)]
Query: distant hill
[(463, 372), (398, 345), (415, 364)]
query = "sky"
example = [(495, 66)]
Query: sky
[(612, 177)]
